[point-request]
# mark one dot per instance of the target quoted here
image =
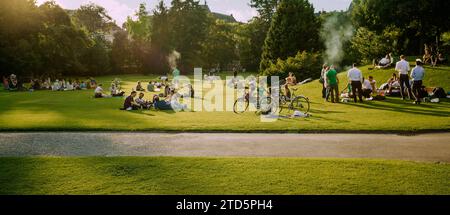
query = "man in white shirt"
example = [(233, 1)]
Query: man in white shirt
[(98, 93), (355, 78), (403, 69), (417, 75)]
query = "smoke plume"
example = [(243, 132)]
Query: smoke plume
[(172, 59), (336, 31)]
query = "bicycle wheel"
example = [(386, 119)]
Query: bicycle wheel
[(300, 103), (240, 106)]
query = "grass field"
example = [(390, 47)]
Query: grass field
[(219, 176), (78, 111)]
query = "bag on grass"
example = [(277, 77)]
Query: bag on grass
[(379, 98)]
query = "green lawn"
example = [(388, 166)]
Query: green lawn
[(70, 111), (219, 176)]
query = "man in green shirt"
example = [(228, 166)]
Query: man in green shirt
[(176, 74), (332, 83)]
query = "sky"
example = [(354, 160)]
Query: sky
[(119, 10)]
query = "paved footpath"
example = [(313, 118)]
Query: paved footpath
[(425, 147)]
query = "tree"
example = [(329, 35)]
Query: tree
[(140, 31), (160, 39), (121, 52), (220, 46), (20, 24), (294, 28), (265, 8), (421, 21), (61, 44), (141, 28), (189, 28), (96, 58), (251, 40), (93, 17)]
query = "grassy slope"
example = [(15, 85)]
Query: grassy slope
[(219, 176), (79, 111)]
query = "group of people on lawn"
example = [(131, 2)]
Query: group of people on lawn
[(136, 100), (12, 83), (359, 87)]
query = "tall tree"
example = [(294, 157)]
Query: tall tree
[(141, 28), (61, 44), (220, 46), (251, 41), (265, 8), (422, 21), (189, 28), (94, 17), (294, 28), (121, 59), (160, 39), (140, 31), (20, 24)]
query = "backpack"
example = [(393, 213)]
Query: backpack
[(439, 92)]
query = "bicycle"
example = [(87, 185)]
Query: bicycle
[(296, 103), (264, 105)]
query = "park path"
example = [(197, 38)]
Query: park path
[(424, 147)]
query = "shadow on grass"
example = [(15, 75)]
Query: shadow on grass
[(403, 107)]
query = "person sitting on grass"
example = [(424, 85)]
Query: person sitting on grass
[(69, 86), (62, 85), (34, 85), (151, 86), (139, 87), (98, 93), (373, 83), (55, 85), (76, 84), (46, 84), (384, 62), (393, 82), (367, 89), (115, 92), (129, 103), (13, 83), (5, 83), (144, 104), (92, 83), (83, 85), (440, 59)]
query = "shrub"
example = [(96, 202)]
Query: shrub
[(304, 65)]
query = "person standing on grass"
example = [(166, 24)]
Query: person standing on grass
[(403, 68), (332, 83), (176, 73), (322, 80), (417, 75), (355, 78)]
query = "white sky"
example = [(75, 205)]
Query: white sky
[(121, 9)]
